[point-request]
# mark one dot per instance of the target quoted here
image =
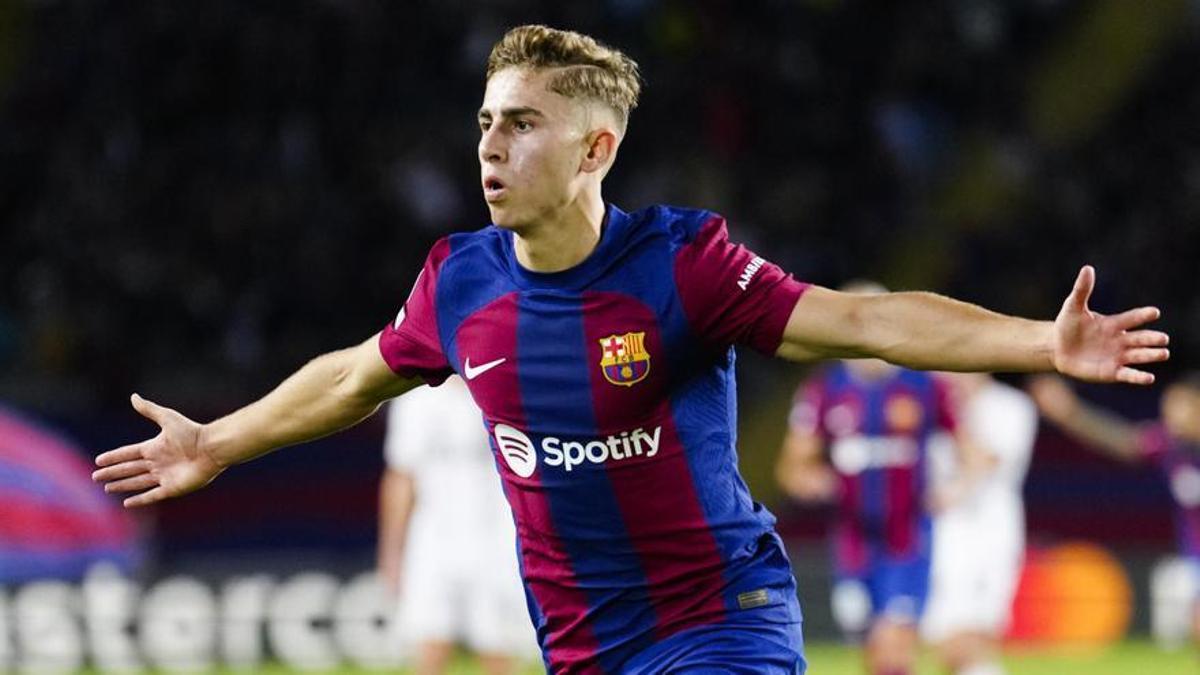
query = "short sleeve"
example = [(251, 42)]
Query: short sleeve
[(730, 295), (410, 344), (1153, 442)]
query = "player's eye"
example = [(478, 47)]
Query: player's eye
[(522, 125), (484, 125)]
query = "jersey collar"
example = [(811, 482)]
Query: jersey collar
[(612, 233)]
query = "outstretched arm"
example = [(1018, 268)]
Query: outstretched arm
[(1098, 428), (329, 393), (932, 332)]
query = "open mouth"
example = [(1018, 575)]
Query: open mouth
[(493, 189)]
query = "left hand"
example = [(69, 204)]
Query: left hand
[(1099, 348)]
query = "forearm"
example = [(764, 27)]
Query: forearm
[(324, 396), (932, 332), (1102, 430)]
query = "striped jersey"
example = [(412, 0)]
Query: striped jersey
[(877, 433), (1179, 460), (608, 395)]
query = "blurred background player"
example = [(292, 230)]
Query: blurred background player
[(978, 524), (446, 536), (1172, 443), (857, 435)]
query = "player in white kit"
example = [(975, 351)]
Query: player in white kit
[(979, 526), (446, 535)]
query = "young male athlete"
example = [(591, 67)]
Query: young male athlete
[(858, 436), (598, 345), (1172, 443)]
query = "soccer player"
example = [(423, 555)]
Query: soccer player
[(979, 535), (1172, 443), (598, 344), (446, 535), (858, 436)]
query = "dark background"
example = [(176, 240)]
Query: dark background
[(196, 198)]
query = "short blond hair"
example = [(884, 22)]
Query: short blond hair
[(586, 68)]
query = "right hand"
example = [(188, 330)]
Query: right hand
[(171, 464), (1053, 397)]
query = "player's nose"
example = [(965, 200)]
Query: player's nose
[(491, 149)]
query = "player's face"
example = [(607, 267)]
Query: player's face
[(530, 147)]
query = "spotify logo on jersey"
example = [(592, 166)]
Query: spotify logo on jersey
[(517, 450), (521, 454)]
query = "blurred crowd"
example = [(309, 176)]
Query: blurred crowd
[(195, 198)]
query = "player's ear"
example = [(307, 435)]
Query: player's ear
[(600, 146)]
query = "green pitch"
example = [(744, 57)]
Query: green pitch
[(1128, 658)]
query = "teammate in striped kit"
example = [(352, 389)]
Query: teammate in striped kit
[(640, 547), (858, 435)]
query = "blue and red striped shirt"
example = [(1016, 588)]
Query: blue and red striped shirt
[(876, 432), (608, 393)]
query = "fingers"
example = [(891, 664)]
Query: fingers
[(148, 497), (150, 410), (1133, 376), (1146, 355), (1084, 283), (1135, 317), (125, 453), (122, 470), (1146, 338), (134, 484)]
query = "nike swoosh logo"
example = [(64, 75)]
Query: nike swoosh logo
[(475, 372)]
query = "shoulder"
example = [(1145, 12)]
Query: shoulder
[(474, 270), (466, 247), (681, 225), (469, 257)]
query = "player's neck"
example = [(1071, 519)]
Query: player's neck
[(565, 240)]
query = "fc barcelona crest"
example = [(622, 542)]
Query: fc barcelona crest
[(624, 359)]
